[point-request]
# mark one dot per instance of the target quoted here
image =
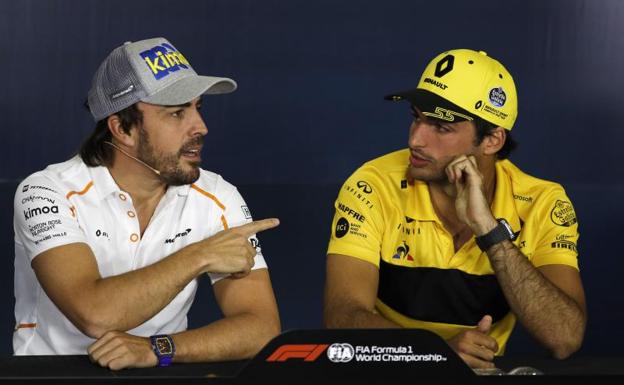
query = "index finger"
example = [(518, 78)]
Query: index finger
[(255, 227), (473, 160), (485, 340)]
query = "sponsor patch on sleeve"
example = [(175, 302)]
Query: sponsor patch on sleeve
[(246, 212), (345, 227), (562, 214)]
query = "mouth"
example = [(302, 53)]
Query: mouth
[(191, 153), (417, 160)]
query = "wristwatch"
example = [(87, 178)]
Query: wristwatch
[(164, 348), (500, 233)]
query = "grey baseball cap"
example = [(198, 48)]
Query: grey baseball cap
[(151, 71)]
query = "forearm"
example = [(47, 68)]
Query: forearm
[(550, 315), (125, 301), (230, 338), (355, 317)]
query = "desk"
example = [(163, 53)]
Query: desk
[(338, 356), (78, 369)]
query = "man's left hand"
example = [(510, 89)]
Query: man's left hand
[(118, 350), (471, 204)]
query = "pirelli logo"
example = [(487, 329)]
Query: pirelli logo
[(564, 245), (307, 352)]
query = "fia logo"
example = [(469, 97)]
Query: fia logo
[(340, 352)]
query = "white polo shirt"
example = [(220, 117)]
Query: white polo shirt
[(70, 202)]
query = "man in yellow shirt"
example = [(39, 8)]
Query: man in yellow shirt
[(448, 235)]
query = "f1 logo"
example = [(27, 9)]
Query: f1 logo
[(309, 352)]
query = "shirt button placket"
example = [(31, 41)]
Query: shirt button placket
[(134, 228)]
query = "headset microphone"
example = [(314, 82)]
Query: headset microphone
[(132, 157)]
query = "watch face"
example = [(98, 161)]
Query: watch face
[(512, 236), (164, 345)]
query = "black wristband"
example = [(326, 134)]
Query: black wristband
[(501, 232)]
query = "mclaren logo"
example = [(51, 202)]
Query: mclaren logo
[(448, 115), (178, 235)]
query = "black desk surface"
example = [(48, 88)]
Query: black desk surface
[(326, 357), (78, 369)]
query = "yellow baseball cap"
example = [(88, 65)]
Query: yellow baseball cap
[(460, 84)]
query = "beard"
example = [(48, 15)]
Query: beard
[(433, 172), (428, 176), (171, 170)]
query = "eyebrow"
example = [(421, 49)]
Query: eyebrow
[(188, 104)]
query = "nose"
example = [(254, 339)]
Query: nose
[(417, 135), (198, 125)]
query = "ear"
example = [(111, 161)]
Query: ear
[(493, 141), (119, 135)]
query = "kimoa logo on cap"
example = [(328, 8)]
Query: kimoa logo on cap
[(164, 59)]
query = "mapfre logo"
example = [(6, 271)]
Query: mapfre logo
[(309, 352)]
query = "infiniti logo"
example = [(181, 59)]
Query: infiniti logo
[(364, 186)]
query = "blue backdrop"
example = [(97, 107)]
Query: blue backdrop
[(309, 110)]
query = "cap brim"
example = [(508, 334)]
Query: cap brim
[(190, 87), (432, 105)]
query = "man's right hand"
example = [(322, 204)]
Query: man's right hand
[(475, 346), (229, 251)]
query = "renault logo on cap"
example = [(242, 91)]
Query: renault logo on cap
[(444, 66)]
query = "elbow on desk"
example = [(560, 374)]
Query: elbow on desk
[(93, 324), (564, 351), (566, 348), (92, 329)]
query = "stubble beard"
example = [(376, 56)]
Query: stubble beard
[(428, 175), (171, 171)]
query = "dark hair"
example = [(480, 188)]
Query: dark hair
[(484, 128), (94, 151)]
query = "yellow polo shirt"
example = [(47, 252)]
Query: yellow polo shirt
[(423, 283)]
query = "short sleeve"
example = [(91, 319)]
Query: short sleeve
[(236, 213), (357, 226), (43, 217), (558, 231)]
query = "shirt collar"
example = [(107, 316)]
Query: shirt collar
[(105, 185), (419, 202), (103, 182), (504, 205)]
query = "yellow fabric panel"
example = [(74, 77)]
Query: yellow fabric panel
[(500, 330)]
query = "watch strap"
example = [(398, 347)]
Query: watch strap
[(500, 233), (164, 348)]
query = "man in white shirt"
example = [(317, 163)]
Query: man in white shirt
[(109, 244)]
